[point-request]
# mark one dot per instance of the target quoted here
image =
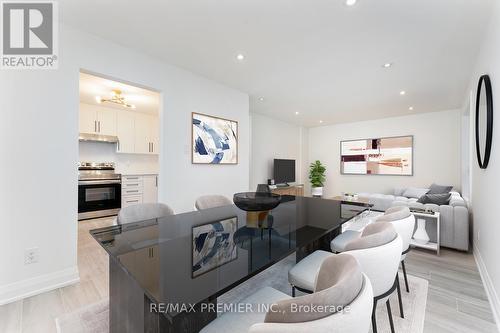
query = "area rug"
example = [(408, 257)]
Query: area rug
[(94, 318)]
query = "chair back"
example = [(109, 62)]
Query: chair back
[(211, 201), (141, 212), (356, 320), (380, 264), (403, 221)]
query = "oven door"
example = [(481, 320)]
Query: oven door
[(98, 198)]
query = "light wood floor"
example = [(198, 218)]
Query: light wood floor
[(456, 300)]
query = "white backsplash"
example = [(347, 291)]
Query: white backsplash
[(125, 163)]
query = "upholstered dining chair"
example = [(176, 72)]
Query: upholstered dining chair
[(141, 212), (211, 201), (340, 283), (404, 223), (378, 251)]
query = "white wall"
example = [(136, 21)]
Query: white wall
[(126, 164), (485, 183), (39, 151), (272, 139), (436, 151)]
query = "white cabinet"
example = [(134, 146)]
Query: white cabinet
[(138, 189), (150, 189), (142, 130), (137, 133), (125, 130), (106, 121), (97, 120), (146, 134), (88, 120)]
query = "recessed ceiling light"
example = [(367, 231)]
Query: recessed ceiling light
[(410, 108), (296, 113), (350, 2), (98, 99), (321, 121), (387, 65), (240, 57), (261, 99), (402, 92)]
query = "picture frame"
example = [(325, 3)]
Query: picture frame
[(214, 140), (398, 160)]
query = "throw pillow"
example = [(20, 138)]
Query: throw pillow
[(437, 198), (415, 192), (438, 189)]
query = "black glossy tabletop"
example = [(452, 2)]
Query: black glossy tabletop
[(190, 257)]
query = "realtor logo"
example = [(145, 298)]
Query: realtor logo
[(29, 35)]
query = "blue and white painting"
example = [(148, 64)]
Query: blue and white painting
[(215, 140), (213, 245)]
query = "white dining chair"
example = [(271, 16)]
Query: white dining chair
[(340, 286), (141, 212), (211, 201), (378, 251)]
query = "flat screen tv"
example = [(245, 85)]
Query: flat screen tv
[(284, 171)]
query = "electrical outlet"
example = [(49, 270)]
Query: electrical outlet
[(31, 256)]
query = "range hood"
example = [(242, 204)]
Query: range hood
[(89, 137)]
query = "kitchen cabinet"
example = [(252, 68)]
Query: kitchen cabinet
[(146, 134), (125, 130), (97, 120), (138, 189), (142, 129), (150, 189)]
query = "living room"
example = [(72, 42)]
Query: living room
[(242, 85)]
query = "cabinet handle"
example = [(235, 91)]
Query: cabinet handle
[(118, 145), (128, 178), (129, 201), (132, 191), (152, 147), (95, 125), (156, 181), (132, 184), (99, 122)]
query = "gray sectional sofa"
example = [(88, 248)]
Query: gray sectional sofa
[(454, 231)]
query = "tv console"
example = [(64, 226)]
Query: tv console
[(297, 190)]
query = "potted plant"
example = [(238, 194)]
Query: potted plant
[(317, 178)]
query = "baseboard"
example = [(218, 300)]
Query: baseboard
[(37, 285), (488, 286)]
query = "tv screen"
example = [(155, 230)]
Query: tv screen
[(284, 171)]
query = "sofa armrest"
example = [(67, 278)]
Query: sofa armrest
[(454, 227)]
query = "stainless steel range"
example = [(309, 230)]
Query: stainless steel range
[(99, 190)]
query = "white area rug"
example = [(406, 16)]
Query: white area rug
[(95, 317)]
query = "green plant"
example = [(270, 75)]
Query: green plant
[(317, 174)]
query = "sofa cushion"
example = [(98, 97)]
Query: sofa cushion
[(415, 192), (398, 191), (438, 189), (437, 199), (374, 234)]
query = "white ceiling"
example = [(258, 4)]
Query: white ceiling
[(91, 86), (320, 58)]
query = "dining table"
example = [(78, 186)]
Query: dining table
[(165, 274)]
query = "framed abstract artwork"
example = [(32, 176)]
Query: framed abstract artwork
[(214, 140), (380, 156), (213, 245)]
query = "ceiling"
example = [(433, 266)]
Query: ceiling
[(92, 86), (319, 58)]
